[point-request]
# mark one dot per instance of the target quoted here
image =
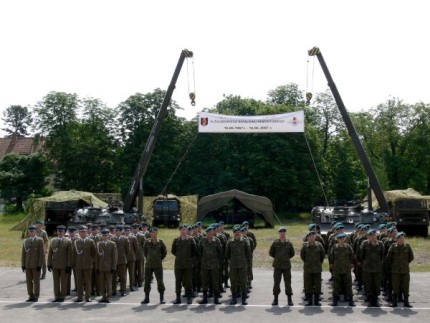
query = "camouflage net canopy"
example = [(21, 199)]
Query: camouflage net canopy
[(398, 195), (188, 207), (37, 206)]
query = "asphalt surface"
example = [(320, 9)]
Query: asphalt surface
[(128, 308)]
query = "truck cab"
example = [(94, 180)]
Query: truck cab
[(166, 211)]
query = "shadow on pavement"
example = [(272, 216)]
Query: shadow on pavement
[(276, 310), (203, 308), (374, 311), (17, 305), (144, 307), (403, 311), (310, 311), (175, 308), (342, 310)]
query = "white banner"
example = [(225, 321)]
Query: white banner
[(285, 122)]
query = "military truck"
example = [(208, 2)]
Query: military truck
[(167, 212)]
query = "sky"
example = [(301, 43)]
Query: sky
[(110, 50)]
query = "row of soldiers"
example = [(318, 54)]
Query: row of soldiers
[(98, 260)]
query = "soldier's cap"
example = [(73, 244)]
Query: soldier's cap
[(339, 227), (400, 234), (245, 223), (183, 226), (39, 222), (105, 232), (127, 227), (61, 228), (153, 229), (209, 229), (31, 228), (357, 225), (144, 224), (311, 233), (371, 231), (94, 227), (118, 228), (366, 226), (243, 229), (221, 222), (282, 229), (340, 236), (317, 226), (391, 229), (72, 229), (135, 225), (236, 229), (382, 226), (111, 227), (190, 227), (199, 223), (391, 224), (214, 225), (312, 226), (83, 228), (333, 223)]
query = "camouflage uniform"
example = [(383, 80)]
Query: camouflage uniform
[(154, 252), (313, 257), (341, 259), (185, 251), (282, 251), (211, 255), (371, 258)]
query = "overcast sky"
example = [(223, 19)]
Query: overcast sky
[(113, 49)]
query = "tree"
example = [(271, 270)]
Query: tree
[(18, 119), (21, 176), (288, 95)]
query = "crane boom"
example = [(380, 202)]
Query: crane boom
[(374, 183), (153, 136)]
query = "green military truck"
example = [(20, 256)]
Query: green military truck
[(167, 212)]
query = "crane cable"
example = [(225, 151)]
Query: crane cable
[(309, 93), (179, 164), (316, 170), (191, 92)]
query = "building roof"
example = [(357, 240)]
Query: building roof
[(16, 144)]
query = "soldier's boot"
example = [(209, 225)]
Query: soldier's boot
[(216, 299), (375, 301), (400, 298), (406, 302), (335, 299), (178, 299), (351, 300), (162, 298), (205, 299), (233, 300), (394, 302), (310, 299), (316, 299), (275, 300), (249, 285), (189, 298), (146, 299), (244, 302), (290, 300), (389, 296)]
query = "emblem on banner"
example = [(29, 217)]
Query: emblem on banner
[(204, 121)]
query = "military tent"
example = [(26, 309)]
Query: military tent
[(260, 205), (398, 195)]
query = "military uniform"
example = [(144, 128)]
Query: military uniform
[(312, 255), (85, 250), (106, 262), (42, 234), (32, 256), (140, 259), (123, 249), (154, 252), (60, 263), (281, 251), (131, 260), (73, 237), (95, 288), (399, 256)]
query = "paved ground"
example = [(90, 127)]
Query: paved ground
[(128, 308)]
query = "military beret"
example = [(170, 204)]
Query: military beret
[(391, 224), (153, 229), (400, 234), (333, 223), (83, 228), (391, 229), (199, 223), (105, 232), (357, 225), (340, 236), (243, 229), (221, 222), (215, 225), (282, 229), (144, 224), (190, 227), (31, 228), (72, 229), (39, 222), (371, 231), (236, 229), (245, 223), (339, 227), (366, 226), (208, 229), (127, 227), (61, 227), (135, 225), (94, 227), (312, 226), (118, 228), (183, 226), (311, 233), (382, 226)]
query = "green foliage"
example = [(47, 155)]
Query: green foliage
[(17, 119)]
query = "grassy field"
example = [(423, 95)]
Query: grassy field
[(11, 243)]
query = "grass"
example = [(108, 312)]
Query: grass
[(11, 243)]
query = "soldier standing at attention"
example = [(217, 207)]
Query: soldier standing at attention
[(154, 251), (60, 262), (106, 261), (225, 275), (399, 256), (42, 234), (32, 257), (95, 236), (73, 237), (123, 249), (139, 255), (312, 254), (85, 250), (282, 251), (341, 259), (184, 249), (210, 251), (238, 252), (372, 254), (131, 257), (388, 241), (251, 236)]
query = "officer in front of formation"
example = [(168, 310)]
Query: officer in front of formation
[(281, 251), (154, 251), (32, 257), (60, 262)]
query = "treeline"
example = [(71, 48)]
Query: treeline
[(92, 147)]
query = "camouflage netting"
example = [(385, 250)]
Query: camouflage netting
[(36, 209), (397, 195), (188, 205)]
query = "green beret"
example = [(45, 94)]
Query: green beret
[(391, 229), (333, 223), (153, 229), (312, 226), (340, 236), (245, 223), (209, 229), (400, 234), (371, 231), (236, 229), (183, 226), (311, 233), (221, 222), (357, 225), (382, 226), (339, 227), (199, 223)]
